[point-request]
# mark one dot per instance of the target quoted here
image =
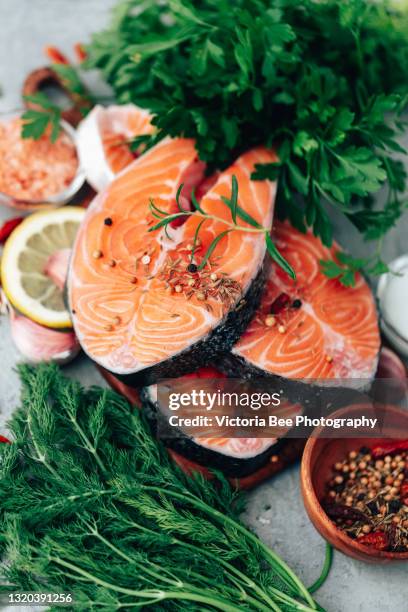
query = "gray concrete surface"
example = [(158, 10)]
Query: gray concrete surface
[(28, 25)]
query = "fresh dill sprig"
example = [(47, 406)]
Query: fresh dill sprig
[(165, 219), (91, 504)]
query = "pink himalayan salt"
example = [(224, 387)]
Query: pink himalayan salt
[(34, 169)]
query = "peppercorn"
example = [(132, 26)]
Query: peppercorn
[(395, 505), (368, 497), (108, 221), (192, 268), (270, 321), (296, 303)]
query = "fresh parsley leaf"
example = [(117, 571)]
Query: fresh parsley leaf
[(346, 268), (344, 274), (266, 171), (36, 121)]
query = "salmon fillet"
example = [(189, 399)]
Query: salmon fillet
[(136, 308), (213, 446), (322, 329)]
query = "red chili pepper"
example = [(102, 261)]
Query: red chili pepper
[(279, 303), (8, 227), (376, 539), (388, 448), (55, 55), (4, 440), (80, 52)]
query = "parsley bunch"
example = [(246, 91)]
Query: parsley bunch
[(91, 504), (324, 82)]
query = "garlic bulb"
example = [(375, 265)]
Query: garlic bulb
[(38, 343)]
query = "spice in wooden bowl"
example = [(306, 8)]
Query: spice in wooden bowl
[(367, 496)]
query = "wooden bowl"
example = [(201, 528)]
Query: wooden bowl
[(316, 470)]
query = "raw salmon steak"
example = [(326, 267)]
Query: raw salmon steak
[(138, 308), (214, 448), (310, 328), (103, 141)]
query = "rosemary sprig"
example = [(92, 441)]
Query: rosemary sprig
[(165, 219), (91, 504)]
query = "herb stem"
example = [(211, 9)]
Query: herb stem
[(287, 599), (236, 212), (158, 576), (281, 567), (154, 596), (325, 570), (88, 445), (204, 216), (217, 559), (41, 456), (178, 583)]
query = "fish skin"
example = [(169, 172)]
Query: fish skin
[(141, 349), (232, 467)]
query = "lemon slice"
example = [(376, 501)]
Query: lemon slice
[(28, 251)]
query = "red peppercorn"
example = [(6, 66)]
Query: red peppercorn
[(279, 303)]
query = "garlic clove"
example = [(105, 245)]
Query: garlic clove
[(37, 343), (56, 267)]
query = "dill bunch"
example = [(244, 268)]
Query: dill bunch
[(91, 504)]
